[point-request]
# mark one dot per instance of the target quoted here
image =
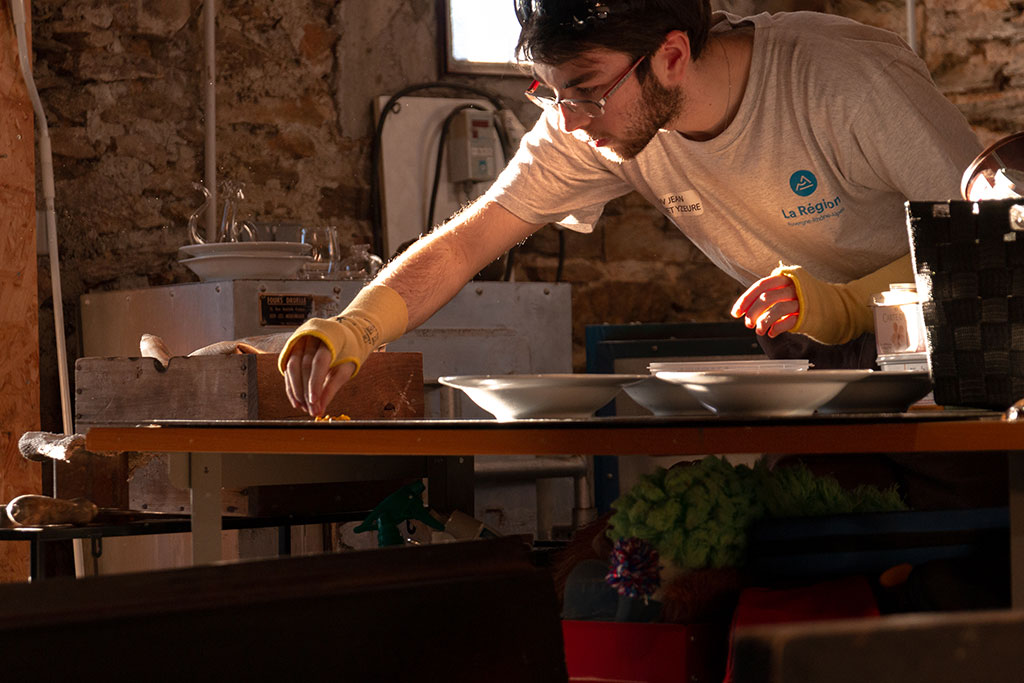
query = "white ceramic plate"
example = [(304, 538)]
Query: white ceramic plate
[(880, 392), (516, 397), (261, 248), (765, 393), (246, 266), (664, 398)]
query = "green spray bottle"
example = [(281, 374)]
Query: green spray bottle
[(405, 503)]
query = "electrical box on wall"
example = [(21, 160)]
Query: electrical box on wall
[(473, 151), (409, 145)]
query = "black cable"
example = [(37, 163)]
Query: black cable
[(445, 127), (510, 263), (561, 254), (376, 209)]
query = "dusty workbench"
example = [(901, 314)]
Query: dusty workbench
[(208, 456)]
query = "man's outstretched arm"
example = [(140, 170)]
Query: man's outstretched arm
[(324, 353)]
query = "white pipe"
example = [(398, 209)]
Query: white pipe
[(46, 166), (49, 193), (210, 114)]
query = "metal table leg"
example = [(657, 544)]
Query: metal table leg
[(36, 571), (205, 482), (284, 540), (1016, 477)]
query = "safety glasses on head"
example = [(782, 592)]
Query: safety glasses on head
[(591, 108), (579, 15)]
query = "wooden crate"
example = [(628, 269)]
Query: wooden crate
[(237, 387)]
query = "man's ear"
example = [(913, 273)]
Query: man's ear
[(672, 60)]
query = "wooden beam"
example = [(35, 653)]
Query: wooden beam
[(486, 437), (939, 648)]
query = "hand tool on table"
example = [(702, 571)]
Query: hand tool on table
[(37, 510)]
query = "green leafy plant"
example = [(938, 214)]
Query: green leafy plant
[(697, 515)]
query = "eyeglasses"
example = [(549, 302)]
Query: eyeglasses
[(591, 108)]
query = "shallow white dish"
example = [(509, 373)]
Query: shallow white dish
[(664, 398), (246, 266), (764, 393), (262, 248), (754, 365), (880, 392), (516, 397)]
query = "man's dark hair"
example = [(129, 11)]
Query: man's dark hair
[(557, 31)]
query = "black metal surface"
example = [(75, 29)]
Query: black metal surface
[(40, 537), (652, 422)]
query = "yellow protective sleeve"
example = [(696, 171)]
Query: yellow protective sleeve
[(836, 313), (377, 315)]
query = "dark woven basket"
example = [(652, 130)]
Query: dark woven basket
[(969, 262)]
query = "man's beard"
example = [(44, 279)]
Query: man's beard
[(658, 106)]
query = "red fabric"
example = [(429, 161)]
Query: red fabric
[(846, 598)]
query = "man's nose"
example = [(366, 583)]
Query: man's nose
[(572, 120)]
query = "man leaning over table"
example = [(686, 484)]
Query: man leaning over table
[(784, 146)]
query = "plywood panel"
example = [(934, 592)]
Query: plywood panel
[(19, 334)]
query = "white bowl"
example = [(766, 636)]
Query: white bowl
[(246, 266), (262, 248), (764, 393), (664, 398), (516, 397)]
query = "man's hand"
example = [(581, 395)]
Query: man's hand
[(769, 306), (309, 380)]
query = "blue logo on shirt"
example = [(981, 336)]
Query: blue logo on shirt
[(803, 183)]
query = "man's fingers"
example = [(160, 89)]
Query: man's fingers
[(319, 366), (757, 290), (335, 379), (769, 306), (777, 319), (769, 299), (783, 324), (294, 385)]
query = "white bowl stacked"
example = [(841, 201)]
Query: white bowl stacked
[(245, 260), (664, 397), (517, 397), (764, 392)]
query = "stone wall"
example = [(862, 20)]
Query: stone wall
[(122, 84)]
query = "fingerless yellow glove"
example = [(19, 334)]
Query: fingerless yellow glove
[(836, 313), (377, 315)]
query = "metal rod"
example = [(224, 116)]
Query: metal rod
[(579, 468), (529, 468), (210, 113), (912, 25), (584, 510)]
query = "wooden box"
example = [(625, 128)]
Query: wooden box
[(235, 387), (414, 613)]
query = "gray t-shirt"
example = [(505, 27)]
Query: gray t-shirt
[(839, 125)]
